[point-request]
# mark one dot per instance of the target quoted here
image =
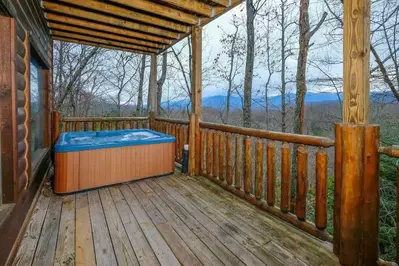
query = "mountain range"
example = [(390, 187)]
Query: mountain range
[(258, 102)]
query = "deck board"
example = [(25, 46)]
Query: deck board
[(173, 220)]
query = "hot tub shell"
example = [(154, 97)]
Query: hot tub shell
[(82, 167)]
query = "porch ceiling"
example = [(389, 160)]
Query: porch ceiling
[(139, 26)]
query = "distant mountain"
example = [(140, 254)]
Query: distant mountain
[(219, 101)]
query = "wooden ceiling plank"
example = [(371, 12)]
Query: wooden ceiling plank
[(103, 41), (225, 3), (194, 6), (128, 14), (113, 37), (63, 39), (114, 30), (160, 10), (49, 6)]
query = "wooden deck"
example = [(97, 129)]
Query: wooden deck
[(163, 221)]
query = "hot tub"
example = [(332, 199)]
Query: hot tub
[(85, 160)]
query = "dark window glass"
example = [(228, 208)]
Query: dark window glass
[(36, 106)]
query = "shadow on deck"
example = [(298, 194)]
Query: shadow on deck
[(163, 221)]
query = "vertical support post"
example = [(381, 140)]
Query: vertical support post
[(356, 207), (56, 127), (356, 61), (358, 203), (196, 102), (152, 91)]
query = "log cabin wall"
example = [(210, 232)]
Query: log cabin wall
[(24, 35)]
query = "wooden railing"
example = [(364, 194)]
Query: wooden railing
[(393, 151), (102, 123), (234, 157), (176, 128)]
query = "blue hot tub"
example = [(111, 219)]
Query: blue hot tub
[(85, 160)]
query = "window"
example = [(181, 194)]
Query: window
[(36, 106)]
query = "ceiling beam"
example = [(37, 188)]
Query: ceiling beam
[(159, 10), (118, 38), (63, 39), (224, 3), (54, 7), (96, 26), (102, 41), (127, 14), (193, 6)]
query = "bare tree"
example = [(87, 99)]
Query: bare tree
[(229, 70), (139, 106), (161, 81), (305, 34)]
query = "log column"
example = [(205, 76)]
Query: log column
[(56, 127), (356, 195), (196, 102), (152, 91)]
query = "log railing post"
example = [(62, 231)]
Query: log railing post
[(56, 127), (357, 201)]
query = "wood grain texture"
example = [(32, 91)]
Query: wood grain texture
[(271, 173), (337, 187), (302, 184), (356, 84), (7, 111), (238, 163), (65, 252), (101, 236), (285, 177), (81, 170), (248, 165), (321, 189), (259, 157), (229, 166), (215, 155), (84, 246), (222, 155), (209, 141), (351, 194), (196, 80)]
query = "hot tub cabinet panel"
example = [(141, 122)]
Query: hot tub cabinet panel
[(86, 169)]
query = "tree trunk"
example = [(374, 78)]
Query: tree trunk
[(139, 107), (161, 81), (283, 59), (249, 66)]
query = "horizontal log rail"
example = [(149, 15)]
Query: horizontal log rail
[(68, 124), (99, 119), (173, 121), (271, 135), (392, 151)]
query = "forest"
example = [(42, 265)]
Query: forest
[(259, 50)]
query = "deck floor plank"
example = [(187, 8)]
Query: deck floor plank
[(306, 247), (65, 252), (219, 249), (142, 248), (104, 250), (84, 246), (123, 249), (158, 244), (45, 251), (172, 220), (176, 244), (27, 248), (266, 256), (219, 212), (203, 253), (233, 245)]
